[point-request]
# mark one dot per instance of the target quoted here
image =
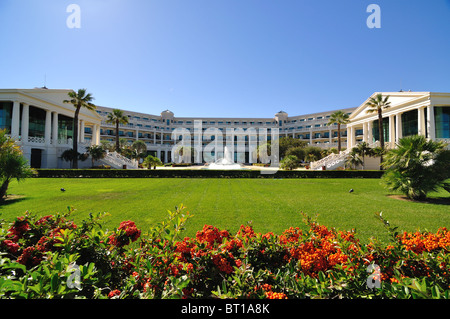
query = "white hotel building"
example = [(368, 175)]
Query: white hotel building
[(43, 124)]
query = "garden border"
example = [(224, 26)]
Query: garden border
[(184, 173)]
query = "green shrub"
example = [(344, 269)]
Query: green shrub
[(200, 173), (417, 166), (51, 257)]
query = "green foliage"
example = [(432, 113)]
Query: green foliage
[(151, 161), (290, 162), (52, 258), (12, 163), (416, 167), (184, 173)]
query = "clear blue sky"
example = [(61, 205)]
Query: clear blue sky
[(219, 58)]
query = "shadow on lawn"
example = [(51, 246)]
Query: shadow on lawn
[(435, 201), (11, 199)]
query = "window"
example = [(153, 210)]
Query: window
[(442, 120), (5, 115)]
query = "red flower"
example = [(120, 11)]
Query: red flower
[(127, 232), (11, 246), (19, 228), (114, 293), (30, 257)]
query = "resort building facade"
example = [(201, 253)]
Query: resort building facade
[(43, 125), (156, 130), (409, 113)]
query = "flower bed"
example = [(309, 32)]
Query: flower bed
[(51, 257)]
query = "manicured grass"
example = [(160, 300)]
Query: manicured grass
[(271, 204)]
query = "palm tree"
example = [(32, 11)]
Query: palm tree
[(417, 166), (79, 100), (151, 161), (363, 149), (339, 118), (378, 104), (353, 159), (97, 152), (140, 148), (117, 117)]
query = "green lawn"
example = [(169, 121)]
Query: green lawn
[(271, 204)]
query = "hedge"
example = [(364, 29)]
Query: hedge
[(183, 173)]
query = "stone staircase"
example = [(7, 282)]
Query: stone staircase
[(334, 161), (117, 161)]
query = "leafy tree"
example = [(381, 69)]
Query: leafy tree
[(117, 117), (97, 152), (107, 146), (151, 161), (290, 162), (339, 118), (417, 166), (313, 153), (12, 163), (140, 149), (297, 151), (284, 145), (79, 100)]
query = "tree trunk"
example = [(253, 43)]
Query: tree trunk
[(339, 138), (75, 138), (3, 189), (117, 137), (381, 134)]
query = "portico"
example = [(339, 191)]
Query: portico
[(410, 113), (43, 125)]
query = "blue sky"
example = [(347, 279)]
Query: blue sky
[(227, 58)]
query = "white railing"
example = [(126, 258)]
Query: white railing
[(36, 140), (118, 161), (334, 161)]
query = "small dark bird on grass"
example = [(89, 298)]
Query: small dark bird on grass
[(351, 191), (63, 190)]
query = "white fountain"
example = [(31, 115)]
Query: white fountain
[(226, 162)]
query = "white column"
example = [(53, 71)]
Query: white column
[(431, 124), (15, 124), (398, 127), (154, 137), (351, 137), (369, 132), (162, 138), (55, 129), (310, 137), (365, 137), (81, 135), (48, 127), (391, 131), (25, 122), (166, 156), (96, 136), (331, 136), (137, 134), (421, 121), (158, 153)]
